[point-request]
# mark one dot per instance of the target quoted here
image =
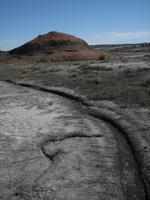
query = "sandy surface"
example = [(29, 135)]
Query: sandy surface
[(52, 149), (56, 148)]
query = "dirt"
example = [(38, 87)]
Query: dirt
[(53, 148), (123, 77), (76, 130), (54, 46)]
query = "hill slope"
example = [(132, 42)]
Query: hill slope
[(57, 46)]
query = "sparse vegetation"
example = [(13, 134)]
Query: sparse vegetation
[(102, 57), (129, 73), (58, 42), (95, 68), (90, 80), (97, 80), (43, 60), (146, 83)]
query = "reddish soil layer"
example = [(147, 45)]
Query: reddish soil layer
[(55, 46)]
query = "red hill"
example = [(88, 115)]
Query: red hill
[(56, 46)]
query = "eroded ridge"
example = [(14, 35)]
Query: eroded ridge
[(105, 147)]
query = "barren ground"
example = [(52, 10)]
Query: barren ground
[(123, 77), (76, 130)]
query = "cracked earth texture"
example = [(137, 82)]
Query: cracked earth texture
[(54, 148)]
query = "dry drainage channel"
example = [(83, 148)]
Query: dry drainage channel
[(93, 112)]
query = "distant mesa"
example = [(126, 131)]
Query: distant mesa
[(56, 46)]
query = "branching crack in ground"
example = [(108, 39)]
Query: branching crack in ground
[(51, 156), (96, 113)]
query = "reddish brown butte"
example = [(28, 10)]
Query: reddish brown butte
[(56, 46)]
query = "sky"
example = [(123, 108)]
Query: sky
[(96, 21)]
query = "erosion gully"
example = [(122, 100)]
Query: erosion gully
[(96, 113)]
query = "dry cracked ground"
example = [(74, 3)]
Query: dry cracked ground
[(58, 145), (56, 148)]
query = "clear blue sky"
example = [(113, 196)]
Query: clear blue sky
[(96, 21)]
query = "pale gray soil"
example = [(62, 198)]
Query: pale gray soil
[(76, 130), (55, 148)]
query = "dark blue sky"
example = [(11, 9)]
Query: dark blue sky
[(96, 21)]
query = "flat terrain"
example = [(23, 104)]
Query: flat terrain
[(122, 76), (76, 130)]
